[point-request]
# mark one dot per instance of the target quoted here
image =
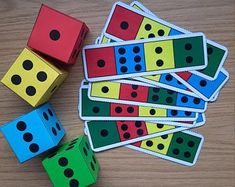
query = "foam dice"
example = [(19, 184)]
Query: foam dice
[(33, 78), (57, 35), (33, 133), (73, 164)]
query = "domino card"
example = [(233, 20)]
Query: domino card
[(99, 110), (180, 147), (144, 57), (105, 135), (133, 92)]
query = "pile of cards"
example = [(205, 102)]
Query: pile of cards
[(147, 83)]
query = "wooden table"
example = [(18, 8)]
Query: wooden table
[(123, 167)]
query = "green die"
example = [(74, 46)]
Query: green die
[(215, 56), (103, 134), (162, 96), (72, 165), (184, 146), (188, 52), (93, 108)]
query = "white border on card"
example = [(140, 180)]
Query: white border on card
[(161, 21), (114, 77), (122, 143), (199, 93), (142, 103), (170, 158)]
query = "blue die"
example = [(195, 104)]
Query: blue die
[(33, 133)]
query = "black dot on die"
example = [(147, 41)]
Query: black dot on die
[(118, 109), (196, 100), (136, 49), (50, 112), (188, 113), (138, 124), (158, 50), (169, 77), (16, 79), (187, 154), (179, 140), (191, 143), (87, 146), (152, 111), (209, 50), (121, 51), (126, 135), (156, 90), (93, 158), (45, 116), (54, 131), (169, 100), (149, 143), (203, 83), (101, 63), (179, 82), (134, 94), (63, 161), (104, 132), (124, 25), (122, 60), (161, 32), (140, 132), (130, 109), (27, 65), (123, 69), (188, 46), (184, 99), (137, 58), (73, 183), (96, 109), (105, 89), (160, 126), (159, 63), (30, 91), (160, 146), (189, 59), (34, 148), (148, 27), (42, 76), (174, 112), (58, 126), (68, 172), (138, 67), (176, 151), (28, 137), (134, 87), (92, 166), (85, 151), (55, 35), (21, 126), (151, 35), (124, 127)]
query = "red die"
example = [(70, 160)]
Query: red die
[(99, 62), (57, 35), (124, 24), (133, 93), (124, 110), (131, 129)]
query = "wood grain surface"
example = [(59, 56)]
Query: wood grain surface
[(123, 167)]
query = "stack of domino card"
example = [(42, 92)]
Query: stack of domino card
[(147, 83)]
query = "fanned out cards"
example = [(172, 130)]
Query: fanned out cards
[(148, 83)]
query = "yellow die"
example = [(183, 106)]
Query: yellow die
[(150, 111), (158, 145), (159, 55), (33, 78), (155, 78), (152, 29), (105, 89)]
